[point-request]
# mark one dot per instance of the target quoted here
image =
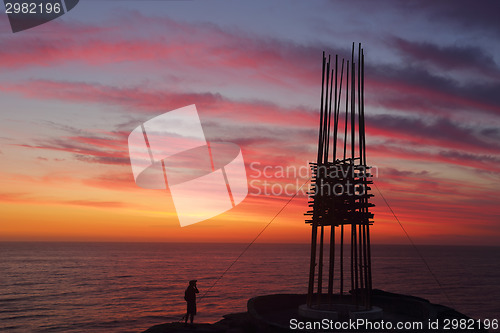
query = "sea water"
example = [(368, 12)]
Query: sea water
[(128, 287)]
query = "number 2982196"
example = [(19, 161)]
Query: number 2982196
[(32, 8)]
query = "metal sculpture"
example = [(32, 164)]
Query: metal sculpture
[(339, 195)]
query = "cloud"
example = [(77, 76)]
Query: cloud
[(462, 156), (26, 198), (257, 60), (103, 159), (261, 128), (447, 57), (393, 149), (137, 101), (116, 180), (195, 50), (91, 149), (13, 197), (464, 14), (435, 92), (95, 204), (392, 172), (437, 132)]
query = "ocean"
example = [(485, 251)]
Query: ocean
[(129, 287)]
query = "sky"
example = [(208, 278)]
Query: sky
[(73, 89)]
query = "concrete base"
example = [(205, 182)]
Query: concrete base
[(312, 313), (375, 313), (339, 312)]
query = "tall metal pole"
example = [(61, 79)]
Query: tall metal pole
[(352, 259), (329, 117), (332, 262), (361, 200), (327, 111), (326, 135), (341, 260), (346, 109), (353, 142), (368, 247), (353, 101), (321, 134), (342, 225), (314, 232), (320, 266), (332, 227), (359, 105), (337, 110)]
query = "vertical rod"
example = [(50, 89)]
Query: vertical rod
[(320, 264), (360, 254), (341, 260), (332, 227), (329, 119), (353, 101), (353, 142), (352, 260), (332, 262), (326, 119), (346, 108), (368, 247), (359, 103), (365, 201), (326, 135), (335, 147), (367, 289), (363, 101), (320, 141), (369, 259), (361, 199), (335, 111), (314, 232), (314, 235), (366, 226), (355, 254)]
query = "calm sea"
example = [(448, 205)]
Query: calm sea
[(128, 287)]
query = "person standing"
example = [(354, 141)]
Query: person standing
[(190, 298)]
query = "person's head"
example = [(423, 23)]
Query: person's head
[(192, 283)]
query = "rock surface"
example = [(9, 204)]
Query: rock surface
[(272, 313), (232, 323)]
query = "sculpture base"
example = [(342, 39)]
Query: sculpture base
[(280, 312), (338, 312)]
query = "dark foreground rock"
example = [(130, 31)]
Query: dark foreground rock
[(279, 313), (233, 323)]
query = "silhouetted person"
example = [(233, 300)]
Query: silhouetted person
[(190, 297)]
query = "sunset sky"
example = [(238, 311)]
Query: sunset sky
[(73, 89)]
